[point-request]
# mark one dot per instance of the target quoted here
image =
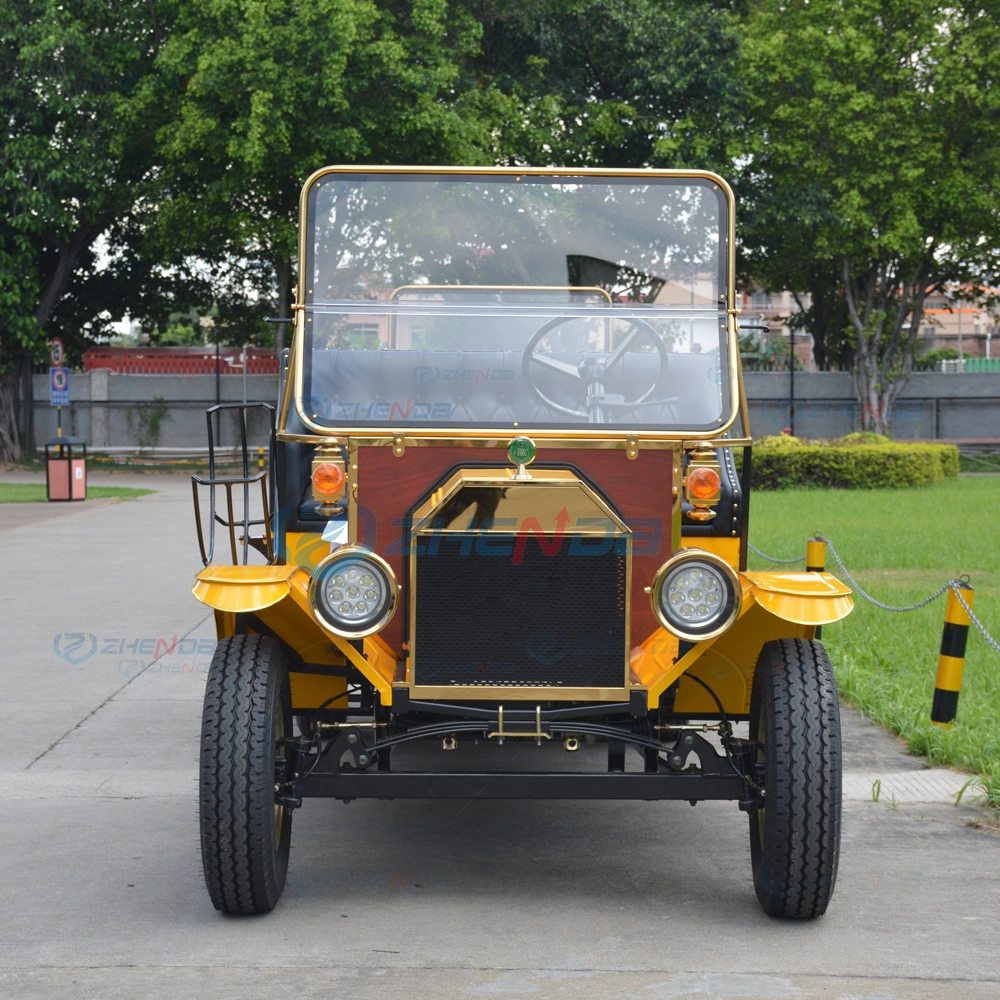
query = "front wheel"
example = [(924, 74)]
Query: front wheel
[(795, 835), (244, 832)]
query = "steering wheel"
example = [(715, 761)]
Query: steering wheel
[(591, 372)]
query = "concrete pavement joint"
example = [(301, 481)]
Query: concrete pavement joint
[(594, 970), (115, 694)]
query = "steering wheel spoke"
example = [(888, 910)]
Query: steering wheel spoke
[(557, 366), (592, 371), (619, 352)]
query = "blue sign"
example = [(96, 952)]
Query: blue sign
[(59, 386)]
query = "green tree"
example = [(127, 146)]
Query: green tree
[(177, 334), (873, 156), (260, 95), (72, 171), (154, 149), (613, 83)]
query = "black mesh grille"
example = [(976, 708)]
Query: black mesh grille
[(487, 617)]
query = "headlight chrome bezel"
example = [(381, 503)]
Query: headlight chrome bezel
[(348, 556), (731, 606)]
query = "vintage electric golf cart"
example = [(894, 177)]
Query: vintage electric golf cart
[(501, 546)]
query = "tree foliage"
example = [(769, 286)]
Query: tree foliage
[(613, 83), (260, 95), (873, 167), (74, 166), (154, 150)]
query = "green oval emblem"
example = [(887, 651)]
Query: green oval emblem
[(521, 451)]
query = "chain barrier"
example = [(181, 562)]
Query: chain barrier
[(981, 461), (783, 562), (954, 585), (975, 621)]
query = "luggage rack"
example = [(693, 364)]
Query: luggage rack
[(239, 547)]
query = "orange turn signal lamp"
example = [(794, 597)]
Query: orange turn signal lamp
[(328, 479), (703, 484)]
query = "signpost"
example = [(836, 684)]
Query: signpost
[(58, 381)]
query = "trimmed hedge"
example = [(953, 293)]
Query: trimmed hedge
[(857, 461)]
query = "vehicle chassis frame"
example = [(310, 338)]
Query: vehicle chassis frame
[(719, 777)]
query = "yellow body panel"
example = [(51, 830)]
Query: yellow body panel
[(775, 606), (728, 665), (312, 690), (305, 548)]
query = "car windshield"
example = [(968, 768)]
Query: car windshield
[(506, 301)]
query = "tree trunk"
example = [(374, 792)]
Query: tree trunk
[(10, 445), (874, 400), (17, 395), (69, 253), (820, 320), (27, 403), (886, 342)]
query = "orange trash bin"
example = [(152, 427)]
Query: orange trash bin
[(66, 468)]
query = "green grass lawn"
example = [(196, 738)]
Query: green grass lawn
[(34, 492), (902, 545)]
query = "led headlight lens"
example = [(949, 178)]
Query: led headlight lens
[(353, 592), (696, 595)]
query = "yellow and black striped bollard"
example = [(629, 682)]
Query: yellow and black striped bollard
[(951, 662), (260, 458), (816, 563)]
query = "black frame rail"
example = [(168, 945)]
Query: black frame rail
[(263, 543), (520, 785), (321, 773)]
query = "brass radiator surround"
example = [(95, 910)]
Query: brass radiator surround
[(485, 506)]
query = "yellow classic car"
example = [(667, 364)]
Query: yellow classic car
[(500, 547)]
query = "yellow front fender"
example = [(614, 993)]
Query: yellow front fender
[(804, 598), (775, 606), (279, 597), (242, 588)]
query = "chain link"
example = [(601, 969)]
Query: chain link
[(785, 562), (956, 585), (878, 604), (975, 621)]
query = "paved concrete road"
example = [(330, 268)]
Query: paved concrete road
[(102, 891)]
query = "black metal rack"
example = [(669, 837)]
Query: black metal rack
[(239, 548)]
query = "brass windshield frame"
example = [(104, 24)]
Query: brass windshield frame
[(293, 387)]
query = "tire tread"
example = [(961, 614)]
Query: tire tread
[(795, 868), (243, 873)]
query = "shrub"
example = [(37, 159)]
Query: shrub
[(858, 463), (781, 441), (931, 361), (860, 437)]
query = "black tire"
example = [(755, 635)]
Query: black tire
[(795, 837), (244, 833)]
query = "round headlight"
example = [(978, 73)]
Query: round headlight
[(353, 592), (696, 595)]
